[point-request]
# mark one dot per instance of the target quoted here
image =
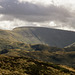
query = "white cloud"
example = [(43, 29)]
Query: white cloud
[(67, 3), (42, 2), (52, 24), (1, 15), (9, 25), (1, 7), (65, 28)]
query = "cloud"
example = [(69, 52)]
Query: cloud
[(42, 2), (31, 13), (1, 7), (9, 25)]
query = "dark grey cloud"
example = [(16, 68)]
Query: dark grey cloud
[(32, 12)]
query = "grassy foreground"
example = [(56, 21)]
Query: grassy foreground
[(29, 66)]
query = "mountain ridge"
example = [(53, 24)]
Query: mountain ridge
[(40, 27), (40, 35)]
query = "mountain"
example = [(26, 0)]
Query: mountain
[(39, 35), (30, 51)]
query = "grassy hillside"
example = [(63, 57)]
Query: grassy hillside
[(64, 56), (40, 35), (7, 45), (18, 58), (29, 66), (20, 35)]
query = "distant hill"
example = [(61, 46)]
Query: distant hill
[(40, 35)]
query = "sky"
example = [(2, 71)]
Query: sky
[(59, 14)]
